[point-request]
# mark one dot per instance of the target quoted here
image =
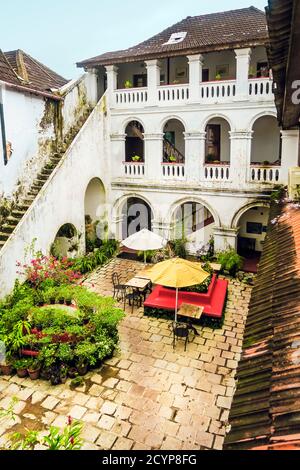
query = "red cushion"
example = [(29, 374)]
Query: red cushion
[(213, 302)]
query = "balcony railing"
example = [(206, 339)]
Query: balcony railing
[(216, 172), (173, 94), (224, 91), (131, 97), (264, 174), (173, 171), (134, 170), (218, 91)]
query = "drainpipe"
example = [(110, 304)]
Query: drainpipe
[(2, 127)]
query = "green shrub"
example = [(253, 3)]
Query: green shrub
[(179, 248), (230, 261)]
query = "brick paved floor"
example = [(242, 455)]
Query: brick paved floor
[(148, 396)]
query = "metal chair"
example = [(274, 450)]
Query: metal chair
[(180, 331), (134, 298), (118, 287)]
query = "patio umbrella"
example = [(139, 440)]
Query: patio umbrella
[(177, 273), (145, 241)]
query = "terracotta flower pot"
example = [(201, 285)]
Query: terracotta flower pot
[(6, 369), (34, 374), (22, 373)]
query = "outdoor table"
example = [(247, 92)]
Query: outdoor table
[(193, 312), (216, 267), (138, 283)]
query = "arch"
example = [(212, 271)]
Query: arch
[(172, 117), (215, 116), (266, 141), (250, 222), (259, 115), (95, 214), (244, 209), (193, 221), (66, 242), (128, 120), (173, 141), (134, 142), (137, 215), (176, 205), (217, 141)]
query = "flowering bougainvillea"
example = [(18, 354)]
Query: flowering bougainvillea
[(49, 268)]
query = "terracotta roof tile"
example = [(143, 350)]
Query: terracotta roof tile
[(216, 31), (266, 406), (20, 69)]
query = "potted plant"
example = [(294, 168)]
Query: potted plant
[(218, 76), (21, 366), (128, 84), (136, 158), (266, 163), (34, 369), (6, 365), (63, 373), (50, 295), (172, 159), (84, 356)]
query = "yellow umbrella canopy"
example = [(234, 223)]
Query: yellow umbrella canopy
[(177, 273)]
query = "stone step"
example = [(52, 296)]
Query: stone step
[(13, 220), (18, 214), (4, 236), (45, 172), (8, 229)]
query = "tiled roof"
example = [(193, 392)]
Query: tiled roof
[(266, 407), (217, 31), (20, 69)]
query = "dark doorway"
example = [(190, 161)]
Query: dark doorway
[(140, 81), (137, 216), (213, 143)]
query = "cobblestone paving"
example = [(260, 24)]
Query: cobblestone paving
[(148, 396)]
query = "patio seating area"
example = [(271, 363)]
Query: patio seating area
[(213, 301)]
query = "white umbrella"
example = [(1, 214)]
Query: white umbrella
[(144, 241)]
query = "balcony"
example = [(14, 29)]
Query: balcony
[(215, 92)]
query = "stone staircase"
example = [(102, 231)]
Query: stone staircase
[(21, 207)]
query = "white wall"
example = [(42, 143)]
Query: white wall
[(23, 114), (62, 199)]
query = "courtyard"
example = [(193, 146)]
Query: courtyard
[(148, 396)]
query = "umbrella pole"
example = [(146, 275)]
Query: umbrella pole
[(176, 305), (145, 258)]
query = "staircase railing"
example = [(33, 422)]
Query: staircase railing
[(171, 151)]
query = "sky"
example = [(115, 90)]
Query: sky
[(60, 33)]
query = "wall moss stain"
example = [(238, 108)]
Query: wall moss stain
[(48, 116)]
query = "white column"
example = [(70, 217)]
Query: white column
[(153, 71), (194, 155), (153, 156), (195, 73), (117, 155), (225, 239), (243, 57), (112, 82), (290, 152), (92, 81), (240, 156)]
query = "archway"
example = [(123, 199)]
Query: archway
[(134, 143), (217, 146), (66, 242), (192, 221), (252, 228), (95, 214), (266, 142), (174, 142), (137, 215)]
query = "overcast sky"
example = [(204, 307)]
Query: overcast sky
[(61, 32)]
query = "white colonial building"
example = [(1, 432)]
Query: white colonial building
[(182, 138)]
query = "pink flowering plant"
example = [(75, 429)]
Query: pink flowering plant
[(49, 270)]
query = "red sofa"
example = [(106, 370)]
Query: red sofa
[(213, 302)]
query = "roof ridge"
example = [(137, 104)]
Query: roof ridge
[(41, 66), (9, 66)]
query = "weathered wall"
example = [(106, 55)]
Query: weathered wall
[(61, 201), (29, 127)]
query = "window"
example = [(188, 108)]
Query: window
[(205, 75), (176, 38), (254, 228)]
